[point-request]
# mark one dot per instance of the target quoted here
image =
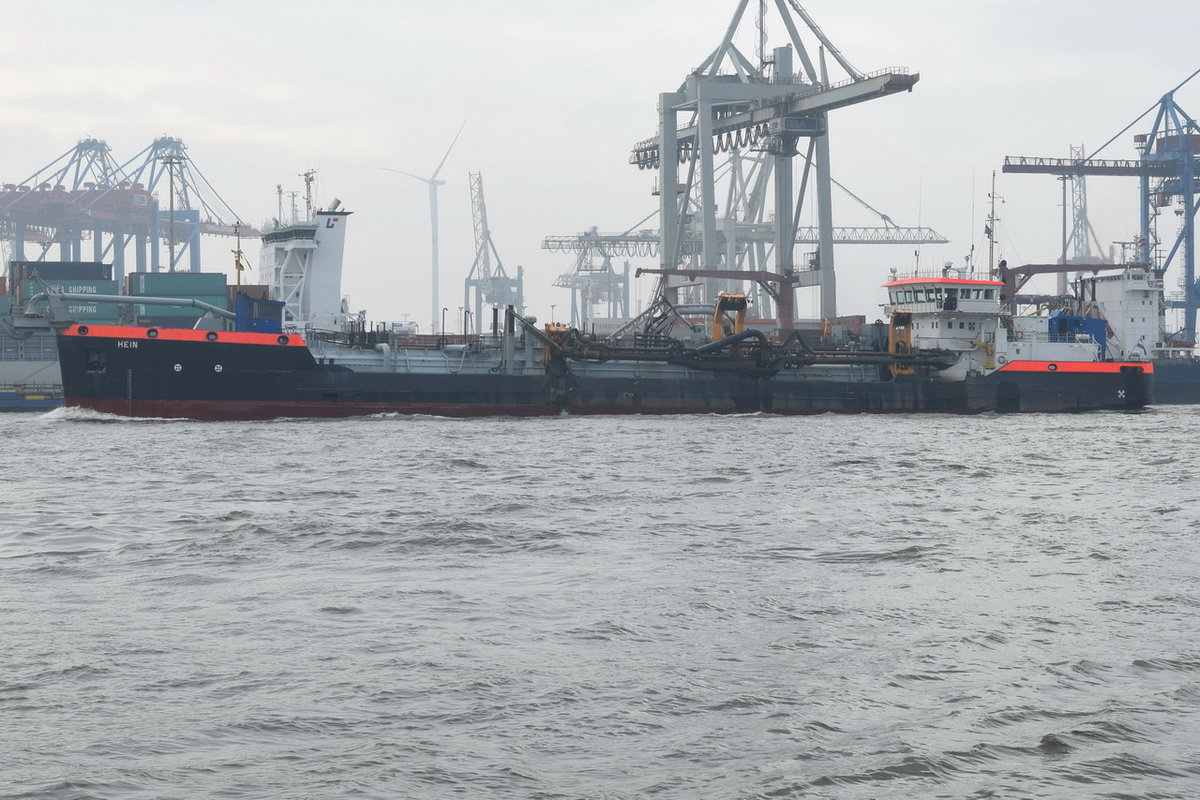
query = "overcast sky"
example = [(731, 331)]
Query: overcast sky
[(555, 94)]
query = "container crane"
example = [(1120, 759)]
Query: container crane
[(765, 106), (751, 238), (485, 283), (1167, 172), (85, 193), (593, 280)]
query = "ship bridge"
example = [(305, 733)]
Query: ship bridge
[(935, 294), (948, 311)]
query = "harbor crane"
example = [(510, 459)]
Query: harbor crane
[(85, 193), (1167, 170), (734, 104), (746, 238), (486, 284), (593, 280)]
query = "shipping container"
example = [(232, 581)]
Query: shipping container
[(253, 291), (31, 287), (59, 271), (176, 284), (37, 346), (84, 311), (77, 310)]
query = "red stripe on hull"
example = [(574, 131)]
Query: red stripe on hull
[(1078, 366), (132, 333)]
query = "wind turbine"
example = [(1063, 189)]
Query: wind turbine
[(433, 184)]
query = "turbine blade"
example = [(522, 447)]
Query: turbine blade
[(409, 174), (448, 149)]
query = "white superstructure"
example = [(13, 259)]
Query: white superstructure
[(303, 263), (965, 315), (1131, 302)]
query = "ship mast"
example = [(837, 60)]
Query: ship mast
[(238, 263), (990, 229), (309, 176)]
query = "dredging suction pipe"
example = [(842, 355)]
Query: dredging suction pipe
[(749, 333)]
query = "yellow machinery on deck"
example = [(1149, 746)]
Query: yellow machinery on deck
[(728, 301)]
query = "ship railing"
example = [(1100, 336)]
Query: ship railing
[(938, 273), (1052, 338), (370, 337), (433, 340)]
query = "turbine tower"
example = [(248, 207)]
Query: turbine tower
[(433, 183)]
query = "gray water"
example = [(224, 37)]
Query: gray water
[(615, 607)]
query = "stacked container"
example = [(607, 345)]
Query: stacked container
[(207, 287), (29, 278)]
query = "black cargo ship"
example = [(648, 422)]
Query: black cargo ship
[(525, 370)]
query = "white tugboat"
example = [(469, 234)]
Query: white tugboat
[(1022, 355)]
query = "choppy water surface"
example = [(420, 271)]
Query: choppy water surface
[(716, 607)]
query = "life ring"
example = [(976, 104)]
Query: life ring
[(1001, 360)]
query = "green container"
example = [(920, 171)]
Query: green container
[(30, 288), (87, 311), (177, 284), (157, 311)]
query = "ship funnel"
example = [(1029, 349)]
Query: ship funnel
[(335, 205)]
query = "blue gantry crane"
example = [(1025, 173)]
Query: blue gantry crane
[(84, 194), (1167, 172)]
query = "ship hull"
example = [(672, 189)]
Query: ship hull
[(258, 376), (1177, 381)]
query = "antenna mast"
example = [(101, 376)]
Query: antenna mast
[(309, 176), (990, 229)]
